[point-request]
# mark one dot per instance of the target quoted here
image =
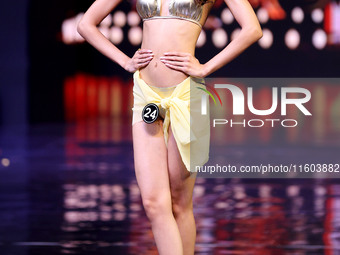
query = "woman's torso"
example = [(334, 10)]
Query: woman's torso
[(166, 35)]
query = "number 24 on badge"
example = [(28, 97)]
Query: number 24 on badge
[(150, 113)]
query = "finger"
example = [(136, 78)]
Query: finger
[(137, 65), (174, 62), (142, 60), (144, 56), (142, 65), (176, 67), (174, 58), (176, 53), (144, 51)]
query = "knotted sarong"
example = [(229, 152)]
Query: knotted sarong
[(179, 105)]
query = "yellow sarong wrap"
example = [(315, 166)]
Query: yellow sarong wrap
[(189, 127)]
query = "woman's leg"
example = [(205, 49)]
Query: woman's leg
[(150, 158), (181, 186)]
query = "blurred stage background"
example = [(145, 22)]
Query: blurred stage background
[(67, 182)]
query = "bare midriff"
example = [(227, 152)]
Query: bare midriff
[(167, 35)]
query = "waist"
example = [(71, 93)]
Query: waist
[(158, 75)]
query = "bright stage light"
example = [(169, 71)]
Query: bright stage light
[(135, 35), (116, 35), (319, 39), (219, 38), (262, 15), (201, 39), (69, 30), (267, 39), (297, 15), (119, 19), (5, 162), (133, 19), (317, 15), (227, 17), (292, 39)]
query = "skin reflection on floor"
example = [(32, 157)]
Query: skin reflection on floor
[(232, 217), (71, 196)]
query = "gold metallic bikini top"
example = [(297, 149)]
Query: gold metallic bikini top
[(178, 9)]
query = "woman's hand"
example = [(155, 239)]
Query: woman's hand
[(184, 62), (140, 59)]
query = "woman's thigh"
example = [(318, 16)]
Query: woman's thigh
[(150, 159), (181, 180)]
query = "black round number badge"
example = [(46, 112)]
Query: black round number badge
[(150, 113)]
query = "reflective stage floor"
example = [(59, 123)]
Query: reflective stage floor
[(71, 189)]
